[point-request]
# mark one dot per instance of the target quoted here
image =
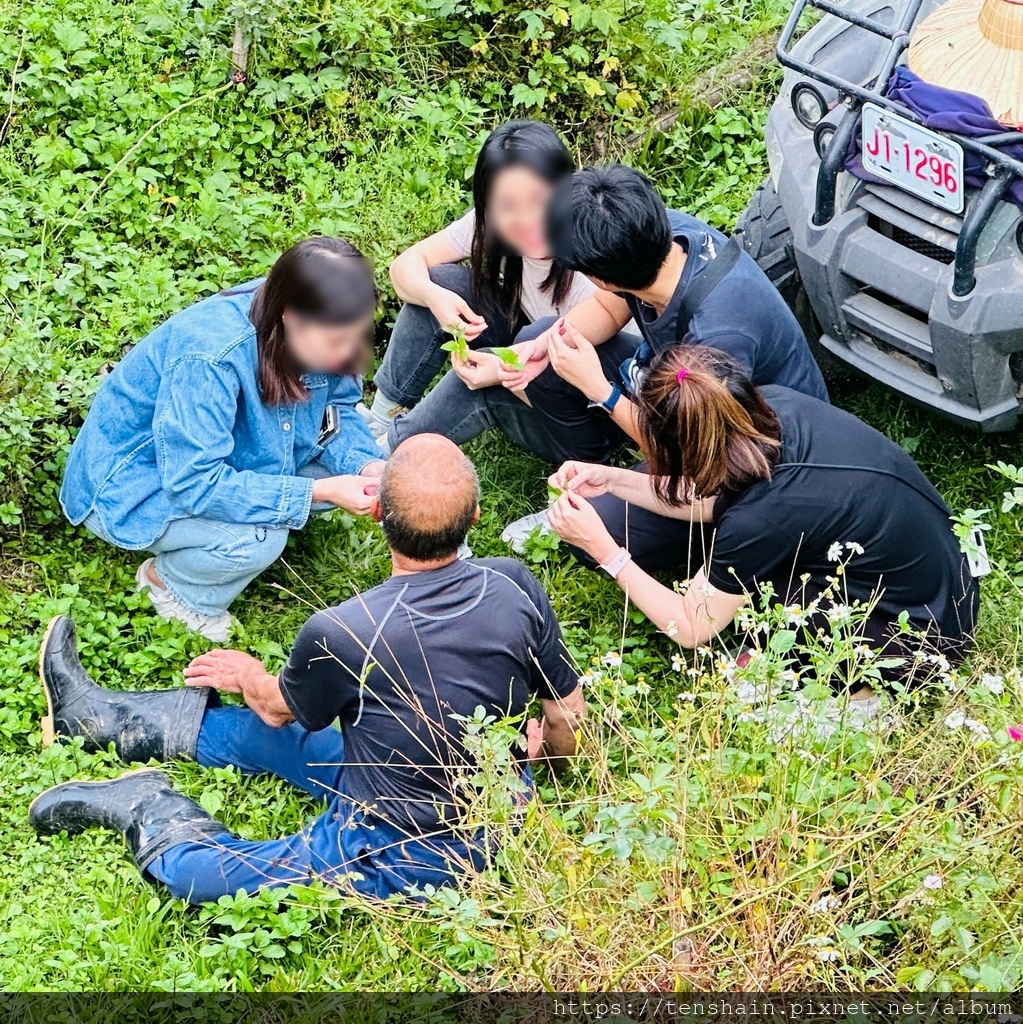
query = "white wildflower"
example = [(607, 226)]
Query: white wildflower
[(933, 882), (838, 613), (612, 660), (828, 955), (959, 719), (825, 905), (853, 548), (835, 552), (790, 678), (672, 629), (687, 697), (726, 668), (796, 615), (642, 687), (993, 683), (677, 662)]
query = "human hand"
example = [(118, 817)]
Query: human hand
[(354, 494), (480, 370), (534, 741), (237, 672), (227, 671), (576, 522), (582, 478), (533, 356), (575, 360), (452, 311)]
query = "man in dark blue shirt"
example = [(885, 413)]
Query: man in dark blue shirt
[(680, 279), (402, 668)]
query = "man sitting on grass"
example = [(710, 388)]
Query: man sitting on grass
[(400, 666)]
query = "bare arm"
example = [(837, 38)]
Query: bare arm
[(410, 270), (624, 414), (237, 672), (589, 480), (555, 738), (690, 618), (410, 275), (638, 489), (600, 316)]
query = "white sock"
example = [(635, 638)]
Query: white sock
[(383, 408)]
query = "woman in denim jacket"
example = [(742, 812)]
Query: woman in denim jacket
[(223, 428)]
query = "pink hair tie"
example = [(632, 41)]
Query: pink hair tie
[(682, 374)]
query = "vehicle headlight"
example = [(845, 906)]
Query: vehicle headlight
[(808, 105), (822, 136)]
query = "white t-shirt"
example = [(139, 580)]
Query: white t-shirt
[(535, 302)]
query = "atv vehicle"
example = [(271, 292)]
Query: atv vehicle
[(901, 287)]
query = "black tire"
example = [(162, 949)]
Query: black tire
[(763, 229)]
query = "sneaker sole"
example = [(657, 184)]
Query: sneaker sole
[(46, 724)]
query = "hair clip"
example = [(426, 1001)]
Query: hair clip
[(682, 374)]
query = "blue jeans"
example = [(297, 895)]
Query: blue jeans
[(557, 423), (342, 847), (206, 564)]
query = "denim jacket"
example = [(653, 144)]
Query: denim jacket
[(179, 430)]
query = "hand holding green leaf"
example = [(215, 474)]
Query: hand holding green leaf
[(509, 357), (458, 346)]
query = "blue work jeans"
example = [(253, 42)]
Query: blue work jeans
[(205, 564), (342, 847), (557, 423)]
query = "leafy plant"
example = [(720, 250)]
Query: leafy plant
[(458, 346), (509, 357)]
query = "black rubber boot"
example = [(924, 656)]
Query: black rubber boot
[(141, 804), (161, 724)]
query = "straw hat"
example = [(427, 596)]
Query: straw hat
[(975, 46)]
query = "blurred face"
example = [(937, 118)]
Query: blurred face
[(323, 348), (516, 211)]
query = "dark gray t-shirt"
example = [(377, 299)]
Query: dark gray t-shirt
[(744, 316), (402, 663)]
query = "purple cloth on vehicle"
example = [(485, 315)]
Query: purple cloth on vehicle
[(944, 110)]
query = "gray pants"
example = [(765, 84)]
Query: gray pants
[(557, 424)]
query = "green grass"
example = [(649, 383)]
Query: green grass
[(691, 847)]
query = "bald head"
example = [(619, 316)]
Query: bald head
[(429, 497)]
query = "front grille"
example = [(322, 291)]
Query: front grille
[(922, 246), (899, 235)]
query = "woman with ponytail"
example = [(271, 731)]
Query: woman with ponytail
[(780, 488)]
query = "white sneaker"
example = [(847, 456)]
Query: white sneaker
[(214, 627), (516, 534), (377, 427)]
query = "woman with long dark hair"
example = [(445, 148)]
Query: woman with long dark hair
[(509, 294), (220, 431), (805, 502)]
